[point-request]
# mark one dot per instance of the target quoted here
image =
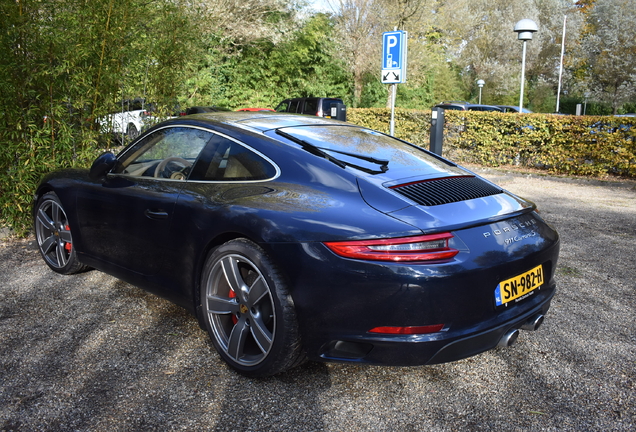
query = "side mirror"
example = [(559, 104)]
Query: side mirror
[(102, 166)]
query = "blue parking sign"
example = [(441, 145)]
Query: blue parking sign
[(394, 57)]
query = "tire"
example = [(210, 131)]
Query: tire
[(131, 132), (247, 310), (53, 235)]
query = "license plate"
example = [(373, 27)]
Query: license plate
[(519, 287)]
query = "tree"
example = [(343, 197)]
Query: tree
[(483, 45), (262, 72), (608, 51), (359, 29)]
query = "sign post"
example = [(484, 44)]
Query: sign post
[(394, 49)]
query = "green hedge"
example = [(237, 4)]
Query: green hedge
[(588, 145)]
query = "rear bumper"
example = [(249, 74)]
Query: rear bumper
[(427, 349)]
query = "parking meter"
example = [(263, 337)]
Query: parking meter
[(437, 130)]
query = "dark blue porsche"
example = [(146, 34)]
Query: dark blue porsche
[(293, 237)]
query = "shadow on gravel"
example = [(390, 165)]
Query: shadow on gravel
[(294, 405)]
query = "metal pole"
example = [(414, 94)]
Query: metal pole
[(565, 17), (523, 76), (479, 95), (393, 91)]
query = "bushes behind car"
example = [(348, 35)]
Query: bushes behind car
[(576, 145)]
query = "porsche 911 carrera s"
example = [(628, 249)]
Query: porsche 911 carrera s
[(294, 237)]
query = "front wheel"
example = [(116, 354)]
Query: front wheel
[(248, 311), (53, 234)]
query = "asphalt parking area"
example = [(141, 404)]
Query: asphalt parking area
[(91, 353)]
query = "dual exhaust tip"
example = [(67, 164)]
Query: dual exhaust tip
[(510, 337)]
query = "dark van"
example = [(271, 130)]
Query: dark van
[(321, 107)]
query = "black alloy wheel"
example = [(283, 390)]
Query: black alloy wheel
[(53, 235), (247, 310)]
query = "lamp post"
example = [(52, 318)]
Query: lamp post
[(524, 30), (480, 84), (565, 18)]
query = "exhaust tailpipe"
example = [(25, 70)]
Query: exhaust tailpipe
[(509, 338), (533, 323)]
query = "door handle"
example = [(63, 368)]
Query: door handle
[(156, 214)]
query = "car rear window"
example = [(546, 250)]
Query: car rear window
[(370, 149), (326, 104)]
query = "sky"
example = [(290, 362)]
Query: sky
[(320, 5)]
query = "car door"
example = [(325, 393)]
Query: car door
[(125, 220), (215, 201)]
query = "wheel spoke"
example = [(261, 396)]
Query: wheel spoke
[(233, 276), (238, 336), (221, 305), (62, 254), (56, 214), (261, 334), (257, 291), (49, 243), (44, 220)]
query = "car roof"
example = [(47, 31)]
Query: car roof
[(478, 107), (515, 108), (467, 106), (260, 120)]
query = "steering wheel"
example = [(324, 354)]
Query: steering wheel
[(162, 165)]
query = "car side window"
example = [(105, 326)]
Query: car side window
[(283, 106), (311, 106), (167, 153), (231, 161), (293, 106)]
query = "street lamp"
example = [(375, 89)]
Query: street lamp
[(524, 30), (480, 84)]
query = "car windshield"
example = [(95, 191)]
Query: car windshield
[(368, 150)]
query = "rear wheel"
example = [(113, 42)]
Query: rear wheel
[(248, 311), (131, 132), (53, 235)]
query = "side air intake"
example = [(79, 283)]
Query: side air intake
[(446, 190)]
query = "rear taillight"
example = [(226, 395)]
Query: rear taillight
[(412, 330), (433, 247)]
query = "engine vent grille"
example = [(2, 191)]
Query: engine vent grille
[(446, 190)]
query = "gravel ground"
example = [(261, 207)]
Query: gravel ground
[(91, 353)]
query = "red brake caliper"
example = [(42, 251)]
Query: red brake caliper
[(68, 246), (232, 294)]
